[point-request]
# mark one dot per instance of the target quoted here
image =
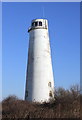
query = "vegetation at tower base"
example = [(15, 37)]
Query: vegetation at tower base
[(67, 104)]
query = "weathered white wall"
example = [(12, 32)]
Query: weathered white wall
[(39, 70)]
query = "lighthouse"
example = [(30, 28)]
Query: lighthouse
[(39, 74)]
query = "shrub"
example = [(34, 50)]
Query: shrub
[(65, 105)]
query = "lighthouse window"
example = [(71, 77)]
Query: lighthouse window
[(49, 84), (33, 24), (26, 93), (36, 23), (40, 23), (50, 93)]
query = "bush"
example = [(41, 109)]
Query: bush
[(65, 105)]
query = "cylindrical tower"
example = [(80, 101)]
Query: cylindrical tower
[(39, 79)]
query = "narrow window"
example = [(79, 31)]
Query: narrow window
[(50, 93), (33, 24), (40, 23), (26, 93), (49, 84), (36, 23)]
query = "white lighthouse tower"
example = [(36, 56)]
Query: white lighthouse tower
[(39, 79)]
